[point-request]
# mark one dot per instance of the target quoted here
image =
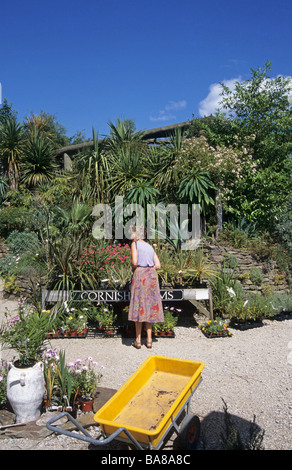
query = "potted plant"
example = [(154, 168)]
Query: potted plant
[(215, 329), (248, 313), (170, 321), (25, 333), (59, 392), (75, 324), (201, 269), (86, 376), (156, 328), (106, 318)]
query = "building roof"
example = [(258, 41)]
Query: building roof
[(156, 133)]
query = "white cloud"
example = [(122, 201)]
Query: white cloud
[(176, 105), (165, 114), (162, 116), (211, 103)]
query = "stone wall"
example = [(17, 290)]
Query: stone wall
[(273, 279)]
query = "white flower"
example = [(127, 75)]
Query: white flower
[(231, 291)]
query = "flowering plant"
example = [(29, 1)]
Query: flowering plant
[(215, 328), (254, 309), (86, 375), (105, 315), (102, 263), (25, 333), (65, 381), (75, 322), (170, 319)]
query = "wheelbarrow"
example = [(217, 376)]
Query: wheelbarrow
[(150, 404)]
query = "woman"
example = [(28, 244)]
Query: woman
[(145, 304)]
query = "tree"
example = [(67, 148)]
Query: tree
[(38, 164), (11, 148), (6, 111), (47, 127), (91, 171), (123, 133), (260, 108), (261, 113)]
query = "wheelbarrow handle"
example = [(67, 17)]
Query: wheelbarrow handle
[(86, 436)]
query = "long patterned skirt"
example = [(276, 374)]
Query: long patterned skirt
[(145, 304)]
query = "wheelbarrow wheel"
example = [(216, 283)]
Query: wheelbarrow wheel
[(189, 432)]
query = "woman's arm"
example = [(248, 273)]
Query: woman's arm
[(134, 255), (157, 264)]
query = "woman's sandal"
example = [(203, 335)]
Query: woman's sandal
[(149, 345), (136, 345)]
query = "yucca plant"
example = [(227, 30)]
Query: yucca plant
[(39, 163), (141, 192), (201, 267), (12, 140), (196, 188), (92, 173)]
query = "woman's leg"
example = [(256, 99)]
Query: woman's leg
[(149, 334), (138, 326)]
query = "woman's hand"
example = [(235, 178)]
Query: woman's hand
[(157, 264)]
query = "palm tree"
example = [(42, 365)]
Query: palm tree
[(11, 148), (128, 165), (141, 192), (93, 171), (164, 162), (126, 155), (123, 133), (39, 161), (196, 188), (48, 128), (75, 221)]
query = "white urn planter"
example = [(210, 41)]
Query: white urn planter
[(25, 391)]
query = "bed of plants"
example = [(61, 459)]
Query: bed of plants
[(241, 183)]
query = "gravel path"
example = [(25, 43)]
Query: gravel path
[(251, 371)]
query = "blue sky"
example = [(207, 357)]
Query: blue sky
[(156, 62)]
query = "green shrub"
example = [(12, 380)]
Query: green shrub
[(231, 260), (256, 276), (234, 237), (26, 257), (256, 308), (281, 303), (10, 284), (14, 218), (23, 242)]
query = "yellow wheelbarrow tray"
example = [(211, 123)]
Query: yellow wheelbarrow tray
[(148, 405)]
